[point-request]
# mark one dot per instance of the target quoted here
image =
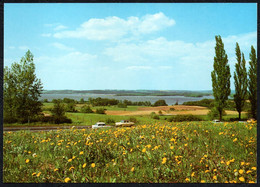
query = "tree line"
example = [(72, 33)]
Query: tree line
[(245, 81)]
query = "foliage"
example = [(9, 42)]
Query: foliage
[(70, 107), (214, 113), (180, 118), (121, 105), (86, 109), (192, 152), (133, 119), (160, 102), (154, 116), (204, 102), (252, 82), (21, 91), (240, 80), (58, 113), (100, 111), (110, 121), (220, 77)]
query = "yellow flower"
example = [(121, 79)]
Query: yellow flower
[(192, 175), (241, 171), (206, 171), (81, 153), (235, 170), (56, 169), (228, 162), (132, 169), (29, 152), (149, 146), (187, 180), (171, 147), (84, 165), (73, 157), (33, 174), (205, 156), (38, 174), (164, 160), (71, 168), (253, 168), (27, 160), (67, 180), (93, 165), (235, 140), (144, 150), (249, 171), (251, 153), (215, 177), (202, 181), (215, 170), (242, 163), (70, 160), (251, 182), (242, 179)]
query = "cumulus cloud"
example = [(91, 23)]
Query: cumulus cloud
[(112, 28), (60, 27), (62, 46)]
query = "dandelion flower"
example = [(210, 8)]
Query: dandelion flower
[(207, 171), (71, 168), (242, 163), (251, 182), (33, 174), (27, 160), (164, 160), (192, 175), (235, 140), (73, 157), (242, 179), (253, 168), (93, 165), (249, 171), (70, 160), (215, 177), (228, 162), (144, 150), (81, 153), (148, 146), (241, 171), (171, 147), (38, 174), (202, 181), (84, 165), (67, 180), (132, 169), (55, 169), (187, 180)]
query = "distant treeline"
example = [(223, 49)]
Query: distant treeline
[(134, 92)]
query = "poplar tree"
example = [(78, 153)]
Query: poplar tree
[(220, 77), (21, 91), (252, 82), (240, 81)]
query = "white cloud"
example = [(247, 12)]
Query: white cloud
[(112, 28), (139, 68), (24, 47), (46, 35), (60, 27), (62, 46)]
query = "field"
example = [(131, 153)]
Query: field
[(188, 152)]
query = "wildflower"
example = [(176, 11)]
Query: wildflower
[(132, 169), (205, 156), (253, 168), (27, 160), (251, 182), (251, 153), (235, 140), (202, 181), (93, 165), (33, 174), (38, 174), (144, 150), (206, 171), (131, 150), (241, 171), (187, 180), (71, 168), (242, 179), (192, 175), (235, 170), (70, 160), (171, 147), (215, 177), (185, 145), (55, 169), (67, 180), (29, 152), (228, 162), (73, 157), (148, 146), (84, 165), (164, 160), (34, 155), (81, 153), (242, 163), (249, 171), (214, 169)]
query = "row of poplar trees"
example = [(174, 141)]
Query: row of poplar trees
[(245, 82)]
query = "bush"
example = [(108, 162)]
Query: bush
[(122, 105), (154, 115), (180, 118), (100, 111), (70, 107), (213, 113), (160, 103), (86, 109), (132, 119), (109, 121)]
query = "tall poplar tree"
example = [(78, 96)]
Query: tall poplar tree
[(252, 82), (240, 80), (21, 91), (220, 77)]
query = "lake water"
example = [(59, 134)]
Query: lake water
[(170, 100)]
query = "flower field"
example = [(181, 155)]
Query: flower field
[(194, 152)]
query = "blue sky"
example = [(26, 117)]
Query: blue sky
[(127, 46)]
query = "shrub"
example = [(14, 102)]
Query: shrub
[(100, 111), (132, 119), (121, 105), (109, 121), (86, 109), (156, 117), (160, 103), (70, 107), (213, 113), (180, 118)]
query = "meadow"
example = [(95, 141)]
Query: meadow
[(160, 152)]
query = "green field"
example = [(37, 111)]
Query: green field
[(195, 152)]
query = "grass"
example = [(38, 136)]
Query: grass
[(192, 152)]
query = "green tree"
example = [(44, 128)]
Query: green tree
[(160, 103), (252, 82), (220, 77), (22, 90), (58, 112), (240, 80)]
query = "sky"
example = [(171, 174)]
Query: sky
[(153, 46)]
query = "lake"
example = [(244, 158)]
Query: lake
[(170, 100)]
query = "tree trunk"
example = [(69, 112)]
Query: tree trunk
[(220, 115), (239, 115)]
